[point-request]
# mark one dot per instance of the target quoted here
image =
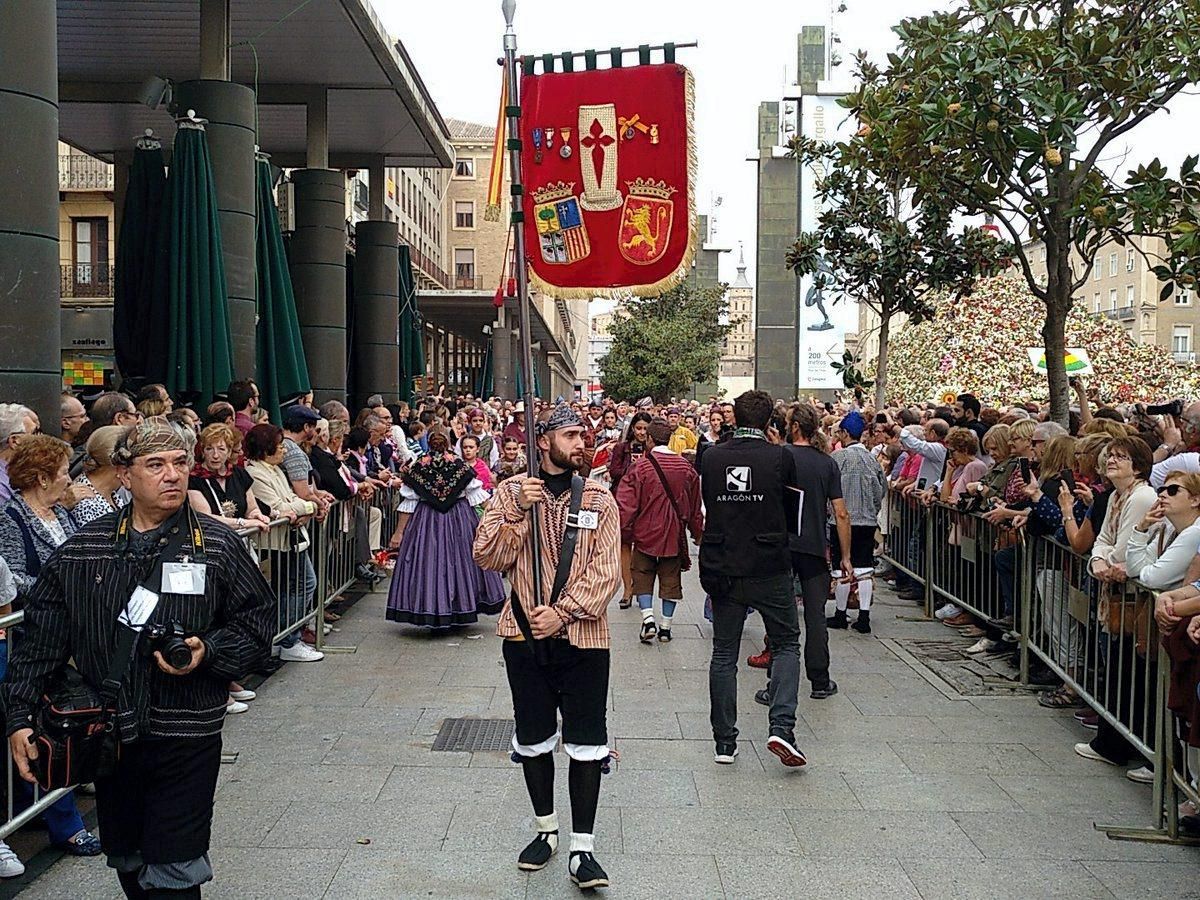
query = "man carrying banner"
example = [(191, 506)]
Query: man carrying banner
[(556, 637)]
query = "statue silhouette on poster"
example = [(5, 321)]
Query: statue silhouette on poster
[(822, 278)]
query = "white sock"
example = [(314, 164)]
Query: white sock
[(582, 843), (666, 623), (841, 593), (865, 585), (647, 616), (548, 825)]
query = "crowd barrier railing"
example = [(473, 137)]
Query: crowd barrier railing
[(23, 802), (1100, 638)]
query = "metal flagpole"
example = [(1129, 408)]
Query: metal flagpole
[(509, 8)]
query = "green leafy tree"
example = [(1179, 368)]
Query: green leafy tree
[(875, 244), (1011, 108), (662, 345)]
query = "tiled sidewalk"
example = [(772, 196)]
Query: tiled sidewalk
[(911, 790)]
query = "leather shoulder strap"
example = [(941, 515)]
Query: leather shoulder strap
[(662, 476), (570, 539)]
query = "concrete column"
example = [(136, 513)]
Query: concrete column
[(30, 356), (376, 190), (317, 130), (318, 268), (229, 108), (375, 356), (542, 363), (214, 39), (503, 383)]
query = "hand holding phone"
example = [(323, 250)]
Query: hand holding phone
[(1026, 475)]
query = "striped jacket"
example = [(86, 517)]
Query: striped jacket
[(72, 612), (502, 544)]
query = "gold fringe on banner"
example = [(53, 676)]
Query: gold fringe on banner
[(685, 266), (495, 197)]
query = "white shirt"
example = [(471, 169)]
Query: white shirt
[(1180, 462), (1167, 569)]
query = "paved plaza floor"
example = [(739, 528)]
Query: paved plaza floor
[(912, 789)]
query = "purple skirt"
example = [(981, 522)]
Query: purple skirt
[(436, 582)]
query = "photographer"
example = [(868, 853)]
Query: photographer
[(1180, 448), (130, 597)]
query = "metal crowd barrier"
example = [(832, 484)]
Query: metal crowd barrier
[(32, 802), (1101, 639)]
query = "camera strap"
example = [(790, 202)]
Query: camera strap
[(183, 530)]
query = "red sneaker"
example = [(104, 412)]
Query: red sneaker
[(761, 661)]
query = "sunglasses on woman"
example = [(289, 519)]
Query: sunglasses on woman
[(1170, 489)]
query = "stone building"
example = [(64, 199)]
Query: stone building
[(1121, 286)]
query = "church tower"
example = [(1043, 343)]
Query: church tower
[(737, 355)]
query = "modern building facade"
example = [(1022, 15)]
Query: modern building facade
[(798, 333), (1121, 286)]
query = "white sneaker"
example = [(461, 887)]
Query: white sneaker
[(981, 645), (1085, 750), (10, 865), (948, 611), (326, 628), (300, 652), (1141, 775), (275, 648), (233, 707), (243, 695)]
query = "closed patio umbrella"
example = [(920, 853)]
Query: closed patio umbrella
[(282, 371), (199, 358), (140, 288), (412, 328), (483, 385)]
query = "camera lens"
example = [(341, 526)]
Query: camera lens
[(177, 654)]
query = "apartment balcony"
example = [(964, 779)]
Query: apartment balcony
[(79, 172), (90, 281), (1187, 357), (430, 270)]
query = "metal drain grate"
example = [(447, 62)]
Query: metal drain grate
[(474, 734)]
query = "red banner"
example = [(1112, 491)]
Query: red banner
[(608, 163)]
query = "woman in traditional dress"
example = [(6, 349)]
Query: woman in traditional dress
[(436, 582)]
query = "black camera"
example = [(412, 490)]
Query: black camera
[(168, 639), (1174, 408)]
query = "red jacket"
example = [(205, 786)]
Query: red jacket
[(647, 519)]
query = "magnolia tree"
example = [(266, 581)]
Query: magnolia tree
[(878, 244), (1012, 107), (663, 345)]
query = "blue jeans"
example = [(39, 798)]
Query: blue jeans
[(775, 601), (297, 587), (1006, 570)]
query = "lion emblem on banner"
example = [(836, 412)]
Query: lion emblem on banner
[(646, 221)]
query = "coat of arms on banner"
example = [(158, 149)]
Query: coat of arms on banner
[(646, 221), (608, 165), (562, 235)]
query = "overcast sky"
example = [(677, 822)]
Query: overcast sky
[(747, 54)]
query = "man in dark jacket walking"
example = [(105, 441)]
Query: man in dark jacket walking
[(748, 486)]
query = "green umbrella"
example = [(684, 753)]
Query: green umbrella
[(282, 369), (140, 288), (412, 327), (484, 384), (537, 381), (199, 350)]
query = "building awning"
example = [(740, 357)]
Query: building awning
[(465, 313), (377, 104)]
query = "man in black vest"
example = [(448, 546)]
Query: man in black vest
[(747, 485)]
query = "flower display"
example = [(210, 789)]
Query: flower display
[(980, 345)]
